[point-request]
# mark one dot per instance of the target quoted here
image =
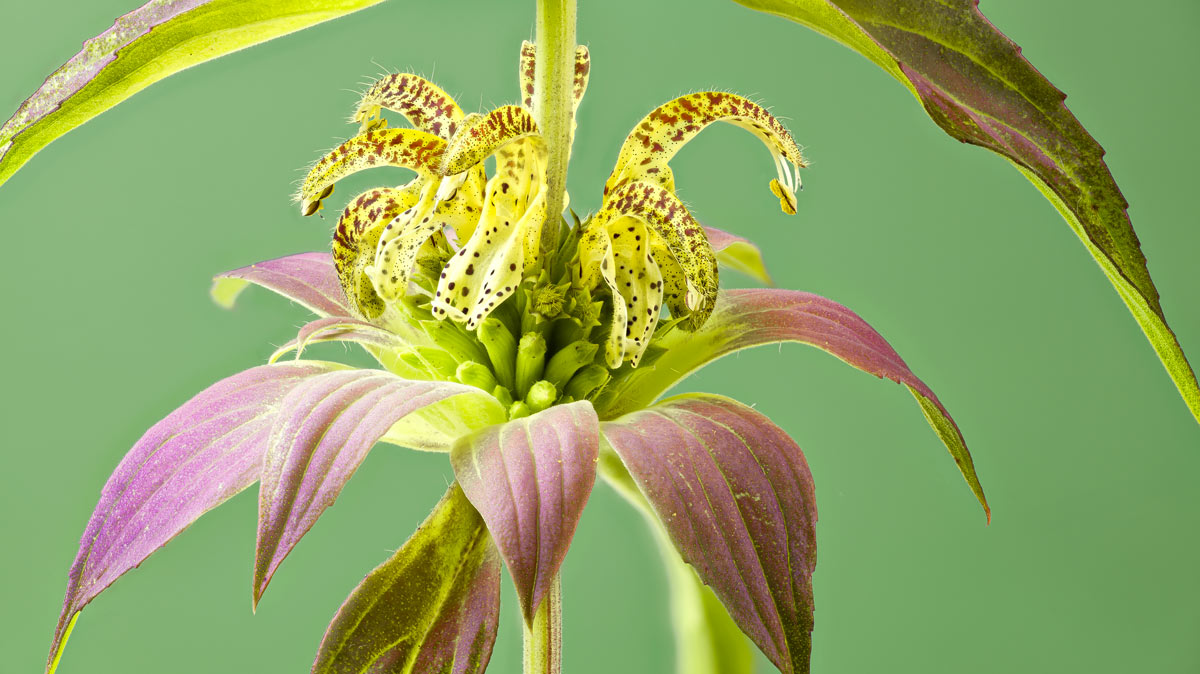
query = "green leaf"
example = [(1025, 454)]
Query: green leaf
[(707, 640), (154, 41), (432, 607), (974, 83)]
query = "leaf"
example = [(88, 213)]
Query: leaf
[(432, 607), (339, 329), (739, 254), (737, 500), (324, 431), (154, 41), (976, 86), (707, 641), (756, 316), (308, 279), (530, 479), (190, 462)]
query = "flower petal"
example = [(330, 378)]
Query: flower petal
[(751, 317), (623, 259), (424, 104), (306, 278), (691, 282), (583, 67), (484, 135), (432, 607), (406, 148), (357, 237), (656, 139), (201, 454), (737, 499), (326, 428), (530, 479), (739, 254)]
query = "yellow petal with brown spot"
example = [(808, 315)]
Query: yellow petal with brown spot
[(656, 139), (693, 290), (481, 136), (424, 104), (356, 237), (407, 148), (583, 67)]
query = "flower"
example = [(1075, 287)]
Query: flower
[(489, 351)]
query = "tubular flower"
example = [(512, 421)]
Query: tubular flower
[(534, 370)]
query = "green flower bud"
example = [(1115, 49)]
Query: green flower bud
[(531, 360), (456, 341), (501, 349), (518, 409), (541, 395), (438, 363), (568, 360), (503, 395), (587, 380), (477, 375)]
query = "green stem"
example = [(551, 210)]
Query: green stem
[(553, 81), (543, 639)]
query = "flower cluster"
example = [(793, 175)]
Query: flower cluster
[(534, 369)]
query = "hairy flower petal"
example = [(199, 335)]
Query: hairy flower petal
[(406, 148), (424, 104), (432, 607), (736, 497), (656, 139), (324, 432), (530, 479), (357, 237), (203, 453), (691, 282), (583, 67)]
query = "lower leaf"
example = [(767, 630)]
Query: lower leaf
[(432, 607)]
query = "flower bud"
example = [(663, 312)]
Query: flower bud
[(568, 360), (501, 349), (477, 375), (541, 396), (587, 380), (531, 361)]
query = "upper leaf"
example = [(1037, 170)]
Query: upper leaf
[(974, 83), (158, 39), (201, 454), (432, 607), (736, 497), (323, 433), (751, 317), (306, 278), (530, 479), (738, 253)]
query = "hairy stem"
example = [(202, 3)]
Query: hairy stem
[(543, 640), (553, 78)]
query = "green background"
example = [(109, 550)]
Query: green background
[(1086, 451)]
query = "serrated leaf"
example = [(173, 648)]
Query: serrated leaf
[(756, 316), (325, 429), (154, 41), (530, 479), (976, 86), (196, 458), (432, 607), (737, 500)]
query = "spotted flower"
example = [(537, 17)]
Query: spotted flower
[(534, 368)]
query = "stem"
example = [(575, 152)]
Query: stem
[(543, 640), (553, 81)]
